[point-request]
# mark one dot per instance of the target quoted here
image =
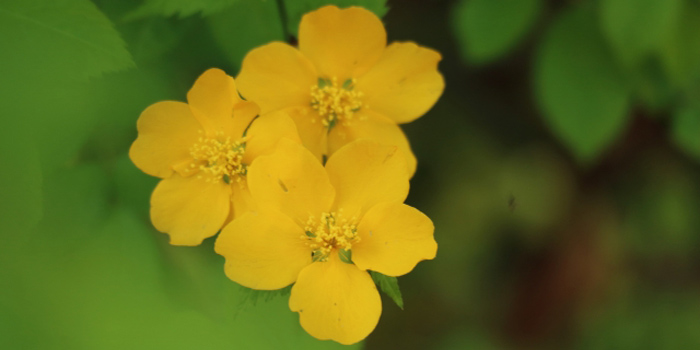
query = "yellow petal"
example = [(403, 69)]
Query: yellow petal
[(394, 237), (292, 181), (189, 209), (336, 301), (241, 201), (166, 131), (276, 76), (266, 131), (342, 43), (364, 173), (405, 82), (212, 99), (374, 126), (313, 135), (263, 250), (244, 113)]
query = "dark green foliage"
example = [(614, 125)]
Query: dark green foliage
[(182, 8), (615, 82), (489, 29), (638, 28), (237, 29), (686, 130), (582, 92)]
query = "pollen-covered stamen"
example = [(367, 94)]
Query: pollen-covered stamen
[(334, 102), (219, 158), (329, 232)]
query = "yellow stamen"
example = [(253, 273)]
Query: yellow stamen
[(219, 158), (331, 231), (336, 103)]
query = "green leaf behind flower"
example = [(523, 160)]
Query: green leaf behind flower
[(244, 26), (390, 286)]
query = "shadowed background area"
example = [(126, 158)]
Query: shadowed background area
[(560, 168)]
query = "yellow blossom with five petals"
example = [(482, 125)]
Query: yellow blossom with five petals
[(344, 82), (322, 228), (201, 151)]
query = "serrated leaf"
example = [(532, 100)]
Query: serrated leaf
[(488, 29), (389, 285), (246, 25), (636, 28), (70, 37), (580, 88), (180, 8), (295, 9), (686, 130), (49, 50)]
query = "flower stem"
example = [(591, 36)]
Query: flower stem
[(281, 7)]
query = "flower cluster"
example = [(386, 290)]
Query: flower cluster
[(305, 178)]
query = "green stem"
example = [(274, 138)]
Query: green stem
[(281, 7)]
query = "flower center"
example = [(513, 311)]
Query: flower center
[(335, 102), (331, 231), (219, 158)]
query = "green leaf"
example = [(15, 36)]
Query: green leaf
[(244, 26), (295, 9), (388, 285), (66, 37), (661, 220), (115, 118), (115, 291), (152, 38), (686, 130), (488, 29), (636, 28), (651, 86), (643, 319), (75, 202), (20, 182), (132, 187), (49, 50), (253, 296), (579, 87), (181, 8), (680, 55)]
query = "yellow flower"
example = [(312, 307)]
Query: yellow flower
[(323, 228), (201, 150), (343, 82)]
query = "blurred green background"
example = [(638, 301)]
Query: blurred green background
[(561, 169)]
